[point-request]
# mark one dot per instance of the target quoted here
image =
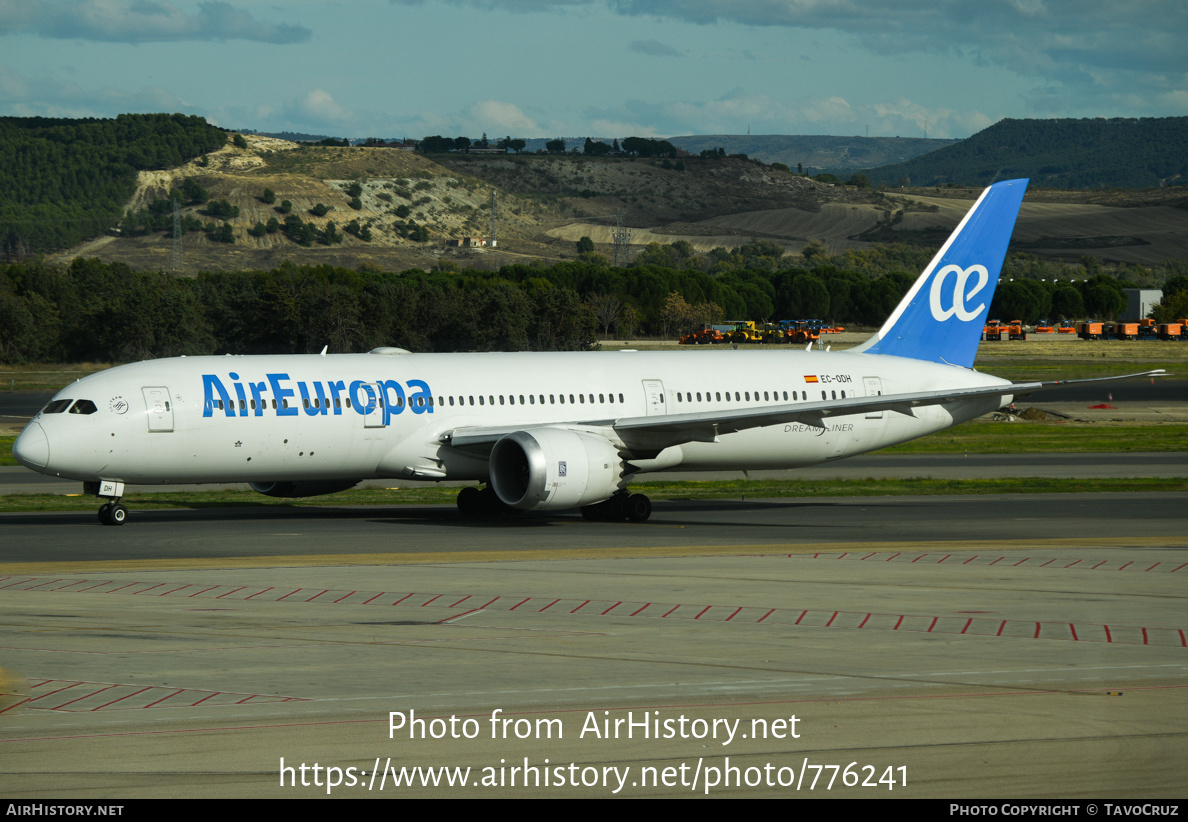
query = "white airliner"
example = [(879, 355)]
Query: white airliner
[(544, 431)]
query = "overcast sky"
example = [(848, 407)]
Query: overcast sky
[(614, 68)]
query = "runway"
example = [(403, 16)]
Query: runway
[(1001, 646)]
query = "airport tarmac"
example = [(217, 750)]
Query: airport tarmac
[(980, 647)]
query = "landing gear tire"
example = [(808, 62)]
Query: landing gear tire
[(470, 501), (639, 508), (476, 503), (113, 513)]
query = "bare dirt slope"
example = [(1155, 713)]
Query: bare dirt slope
[(545, 203)]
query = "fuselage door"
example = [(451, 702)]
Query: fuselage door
[(874, 388), (654, 393), (373, 411), (160, 409)]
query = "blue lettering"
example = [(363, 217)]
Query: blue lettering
[(361, 407), (257, 393), (389, 397), (242, 397), (336, 389), (313, 409), (211, 384), (422, 401), (279, 394), (386, 387)]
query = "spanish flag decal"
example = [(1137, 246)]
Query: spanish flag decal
[(810, 378)]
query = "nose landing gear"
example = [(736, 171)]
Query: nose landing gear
[(112, 513)]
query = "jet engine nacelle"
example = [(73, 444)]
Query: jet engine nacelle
[(554, 468), (305, 488)]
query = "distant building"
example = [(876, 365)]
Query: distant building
[(1140, 302)]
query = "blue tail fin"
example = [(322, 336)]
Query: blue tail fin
[(941, 318)]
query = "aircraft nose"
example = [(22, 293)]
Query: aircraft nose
[(31, 448)]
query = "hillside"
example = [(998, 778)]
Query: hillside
[(1064, 154), (64, 180), (837, 155), (408, 204)]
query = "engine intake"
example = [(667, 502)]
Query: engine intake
[(554, 468)]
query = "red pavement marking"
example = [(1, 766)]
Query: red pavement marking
[(732, 616), (286, 596), (203, 591), (84, 696), (864, 619), (646, 604), (765, 616), (318, 594), (1073, 628), (897, 624), (122, 698), (162, 699), (547, 607), (341, 598), (220, 596), (1107, 630), (703, 610), (266, 590), (521, 602), (584, 604)]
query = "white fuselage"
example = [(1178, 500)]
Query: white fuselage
[(301, 418)]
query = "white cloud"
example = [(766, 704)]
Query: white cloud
[(497, 116), (140, 21), (318, 107)]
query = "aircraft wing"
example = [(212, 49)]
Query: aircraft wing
[(649, 435), (655, 433)]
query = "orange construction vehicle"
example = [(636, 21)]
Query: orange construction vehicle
[(1015, 330), (992, 330), (1091, 331), (1066, 327), (1172, 331), (704, 336), (1126, 331)]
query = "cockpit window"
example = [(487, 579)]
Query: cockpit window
[(57, 407), (83, 407)]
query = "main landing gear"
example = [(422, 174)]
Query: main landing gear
[(476, 503), (633, 507)]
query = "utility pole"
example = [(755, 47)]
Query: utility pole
[(492, 218), (622, 238), (176, 257)]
